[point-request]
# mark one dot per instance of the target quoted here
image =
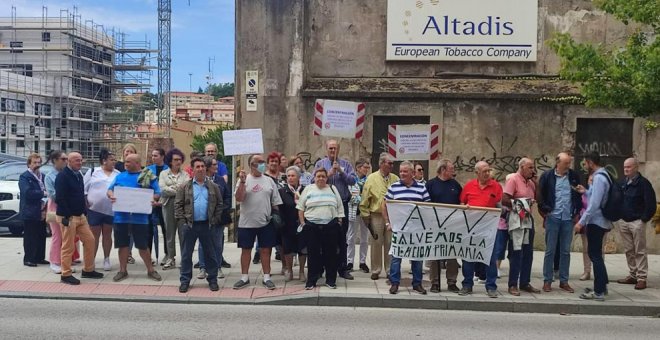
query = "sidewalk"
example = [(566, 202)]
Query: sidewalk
[(17, 280)]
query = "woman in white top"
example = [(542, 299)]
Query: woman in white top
[(170, 181), (321, 210), (99, 212)]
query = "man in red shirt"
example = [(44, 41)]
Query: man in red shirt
[(482, 191), (522, 185)]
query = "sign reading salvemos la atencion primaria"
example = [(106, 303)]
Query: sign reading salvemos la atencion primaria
[(476, 30), (427, 231)]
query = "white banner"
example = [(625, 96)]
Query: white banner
[(133, 200), (242, 142), (427, 231), (484, 30)]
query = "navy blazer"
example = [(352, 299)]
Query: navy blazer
[(547, 192), (32, 195)]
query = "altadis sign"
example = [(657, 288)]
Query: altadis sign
[(467, 30)]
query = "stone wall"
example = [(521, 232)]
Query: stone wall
[(495, 111)]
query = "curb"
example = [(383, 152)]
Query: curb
[(501, 304)]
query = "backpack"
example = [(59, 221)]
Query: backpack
[(613, 207)]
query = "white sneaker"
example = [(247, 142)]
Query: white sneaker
[(221, 275), (202, 274), (106, 264), (55, 268), (499, 274)]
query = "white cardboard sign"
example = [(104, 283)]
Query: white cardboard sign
[(242, 142)]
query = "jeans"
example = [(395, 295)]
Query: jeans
[(395, 271), (491, 272), (557, 232), (202, 232), (595, 235), (520, 269), (218, 237), (501, 241)]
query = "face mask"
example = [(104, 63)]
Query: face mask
[(261, 167)]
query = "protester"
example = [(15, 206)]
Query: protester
[(597, 225), (283, 164), (188, 169), (198, 209), (211, 150), (407, 189), (32, 211), (340, 175), (419, 173), (157, 166), (559, 204), (305, 177), (128, 149), (273, 169), (586, 274), (169, 181), (58, 159), (521, 187), (446, 190), (373, 193), (99, 211), (320, 211), (217, 231), (355, 223), (259, 199), (134, 224), (484, 192), (71, 209), (290, 195), (639, 206)]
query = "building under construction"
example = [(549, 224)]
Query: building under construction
[(70, 84)]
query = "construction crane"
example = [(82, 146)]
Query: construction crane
[(164, 63)]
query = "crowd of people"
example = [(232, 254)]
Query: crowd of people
[(316, 218)]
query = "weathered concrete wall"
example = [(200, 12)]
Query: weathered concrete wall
[(335, 49)]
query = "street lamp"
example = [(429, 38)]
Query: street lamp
[(190, 80)]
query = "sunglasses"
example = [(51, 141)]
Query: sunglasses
[(419, 170)]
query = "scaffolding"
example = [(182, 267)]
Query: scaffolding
[(70, 84)]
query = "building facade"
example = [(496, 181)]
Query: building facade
[(487, 109)]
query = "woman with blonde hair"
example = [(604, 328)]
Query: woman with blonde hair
[(128, 149)]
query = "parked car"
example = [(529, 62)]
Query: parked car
[(10, 171)]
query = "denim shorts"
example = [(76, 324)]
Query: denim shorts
[(97, 219), (140, 233), (266, 235)]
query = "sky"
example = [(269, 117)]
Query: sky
[(202, 30)]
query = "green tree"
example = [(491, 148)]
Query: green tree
[(213, 136), (221, 90), (200, 90), (627, 77)]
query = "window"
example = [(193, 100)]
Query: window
[(32, 130), (42, 109), (70, 145), (63, 146), (58, 132), (63, 123), (36, 146), (45, 36), (3, 146), (16, 44), (48, 149), (14, 129), (12, 105), (20, 143)]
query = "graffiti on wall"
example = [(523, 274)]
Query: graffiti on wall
[(502, 161), (308, 161)]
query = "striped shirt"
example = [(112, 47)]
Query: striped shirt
[(416, 192)]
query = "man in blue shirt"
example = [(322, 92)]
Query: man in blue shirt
[(597, 225), (197, 210), (134, 224), (559, 204), (211, 150), (340, 174), (444, 189)]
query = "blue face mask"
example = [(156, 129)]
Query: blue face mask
[(261, 167)]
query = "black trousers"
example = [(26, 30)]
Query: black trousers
[(157, 215), (342, 266), (322, 251), (34, 241)]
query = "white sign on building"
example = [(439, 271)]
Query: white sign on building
[(465, 30)]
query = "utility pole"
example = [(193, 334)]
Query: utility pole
[(190, 81), (164, 63)]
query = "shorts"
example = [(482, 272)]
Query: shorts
[(97, 219), (140, 233), (266, 235)]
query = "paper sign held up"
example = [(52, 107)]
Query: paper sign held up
[(242, 142), (414, 142), (335, 118)]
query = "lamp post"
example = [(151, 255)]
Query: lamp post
[(190, 81)]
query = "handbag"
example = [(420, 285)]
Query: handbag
[(51, 217)]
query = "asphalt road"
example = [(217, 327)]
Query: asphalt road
[(65, 319)]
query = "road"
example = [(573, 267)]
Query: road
[(65, 319)]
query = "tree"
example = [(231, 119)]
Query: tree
[(213, 136), (221, 90), (200, 90), (625, 78)]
